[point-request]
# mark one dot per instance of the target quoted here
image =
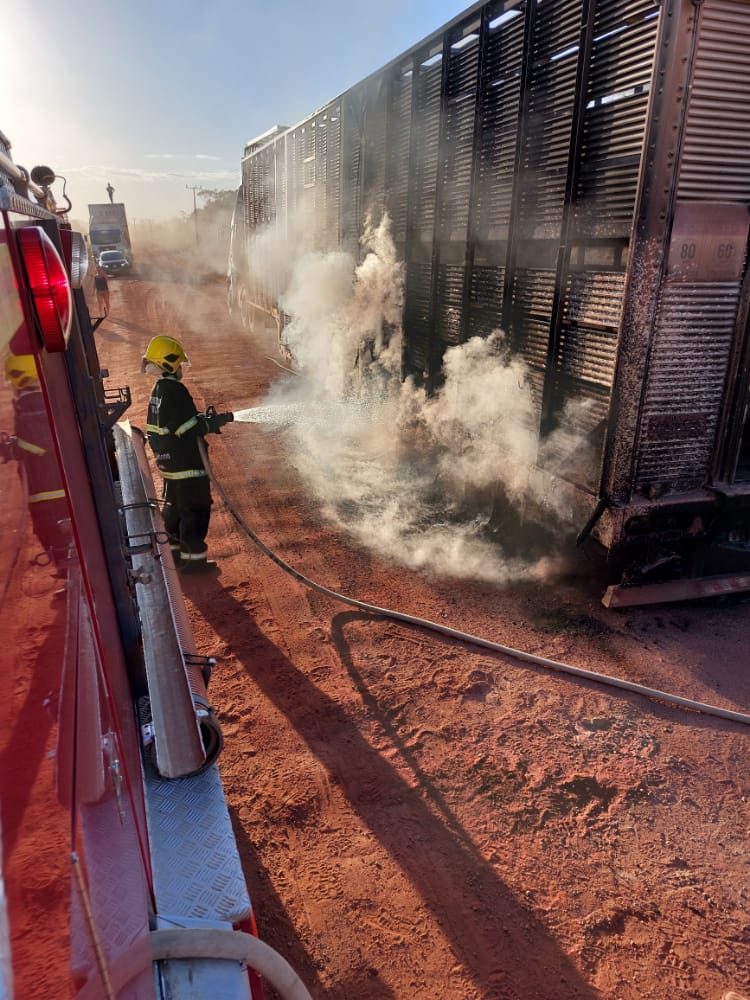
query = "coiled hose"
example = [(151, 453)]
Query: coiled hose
[(213, 942), (647, 692)]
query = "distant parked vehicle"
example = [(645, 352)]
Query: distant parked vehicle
[(114, 262), (108, 228)]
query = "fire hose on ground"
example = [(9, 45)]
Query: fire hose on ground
[(647, 692)]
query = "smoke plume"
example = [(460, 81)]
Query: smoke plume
[(406, 473), (345, 319)]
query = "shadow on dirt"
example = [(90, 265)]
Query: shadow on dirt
[(504, 950), (285, 939)]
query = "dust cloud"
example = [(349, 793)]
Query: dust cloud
[(415, 478)]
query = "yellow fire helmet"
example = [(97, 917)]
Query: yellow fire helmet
[(166, 353), (20, 371)]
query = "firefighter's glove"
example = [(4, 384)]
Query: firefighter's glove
[(216, 421), (8, 447)]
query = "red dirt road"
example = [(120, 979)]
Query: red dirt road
[(422, 818)]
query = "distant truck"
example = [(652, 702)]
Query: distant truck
[(108, 229)]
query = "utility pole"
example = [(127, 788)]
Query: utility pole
[(194, 188)]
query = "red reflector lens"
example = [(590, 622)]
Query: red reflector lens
[(49, 285)]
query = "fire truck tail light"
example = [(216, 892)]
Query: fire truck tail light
[(76, 256), (49, 285)]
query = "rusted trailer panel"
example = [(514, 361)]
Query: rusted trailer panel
[(577, 174)]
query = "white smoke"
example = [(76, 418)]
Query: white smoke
[(483, 420), (345, 320), (396, 468)]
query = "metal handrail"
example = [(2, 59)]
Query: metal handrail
[(187, 735)]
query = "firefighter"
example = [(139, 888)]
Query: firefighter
[(174, 428), (32, 447)]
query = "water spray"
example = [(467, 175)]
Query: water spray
[(313, 412)]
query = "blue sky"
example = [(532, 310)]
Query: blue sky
[(161, 95)]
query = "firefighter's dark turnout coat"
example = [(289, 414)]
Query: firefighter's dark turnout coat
[(174, 427), (33, 447)]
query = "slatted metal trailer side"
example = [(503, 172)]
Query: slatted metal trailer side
[(576, 173)]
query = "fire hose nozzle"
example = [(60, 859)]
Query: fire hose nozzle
[(216, 420)]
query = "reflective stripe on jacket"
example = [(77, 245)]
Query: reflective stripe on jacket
[(174, 427), (47, 495)]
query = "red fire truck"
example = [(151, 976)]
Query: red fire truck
[(120, 871)]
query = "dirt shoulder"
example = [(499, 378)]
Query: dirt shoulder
[(420, 817)]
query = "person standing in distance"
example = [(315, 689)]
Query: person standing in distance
[(174, 427), (101, 286)]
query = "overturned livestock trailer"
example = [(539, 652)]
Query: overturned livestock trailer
[(577, 174)]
